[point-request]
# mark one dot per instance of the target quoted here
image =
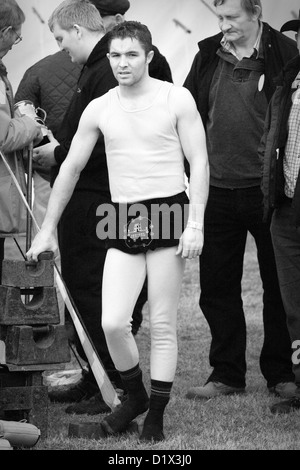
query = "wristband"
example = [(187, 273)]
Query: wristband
[(195, 225)]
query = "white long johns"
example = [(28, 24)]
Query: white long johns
[(123, 279)]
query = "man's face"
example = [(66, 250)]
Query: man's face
[(109, 21), (9, 36), (68, 40), (235, 23), (128, 60)]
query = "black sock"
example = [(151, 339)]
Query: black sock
[(136, 403), (153, 424), (116, 380)]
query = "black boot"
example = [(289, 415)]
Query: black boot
[(153, 424), (93, 406), (286, 406), (136, 403), (83, 390)]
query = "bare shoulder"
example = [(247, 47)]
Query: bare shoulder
[(98, 104), (181, 99), (96, 111), (180, 92)]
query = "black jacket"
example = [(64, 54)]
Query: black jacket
[(95, 80), (272, 146), (278, 49), (50, 84)]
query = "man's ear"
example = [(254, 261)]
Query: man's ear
[(5, 31), (119, 18), (150, 56), (78, 29), (257, 12)]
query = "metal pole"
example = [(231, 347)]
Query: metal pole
[(29, 196), (29, 200)]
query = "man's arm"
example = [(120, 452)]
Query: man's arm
[(29, 88), (193, 140), (17, 133), (79, 153)]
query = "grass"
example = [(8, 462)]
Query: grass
[(241, 422)]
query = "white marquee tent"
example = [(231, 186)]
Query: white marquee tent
[(176, 26)]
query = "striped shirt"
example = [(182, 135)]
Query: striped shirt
[(291, 163)]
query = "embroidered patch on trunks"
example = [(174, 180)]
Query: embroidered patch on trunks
[(138, 232)]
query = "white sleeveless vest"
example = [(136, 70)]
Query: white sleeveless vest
[(144, 154)]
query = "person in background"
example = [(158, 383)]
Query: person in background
[(232, 81), (16, 132), (113, 13), (82, 252), (49, 84), (279, 151), (149, 126)]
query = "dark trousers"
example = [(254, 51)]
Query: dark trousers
[(82, 262), (230, 215), (286, 241), (2, 240)]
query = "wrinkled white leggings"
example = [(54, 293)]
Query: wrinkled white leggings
[(123, 279)]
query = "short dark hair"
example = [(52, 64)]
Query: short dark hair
[(133, 30), (248, 5), (11, 14)]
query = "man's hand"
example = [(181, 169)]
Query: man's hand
[(44, 155), (43, 241), (38, 138), (190, 243)]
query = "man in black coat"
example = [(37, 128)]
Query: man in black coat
[(232, 81), (279, 151), (82, 253)]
